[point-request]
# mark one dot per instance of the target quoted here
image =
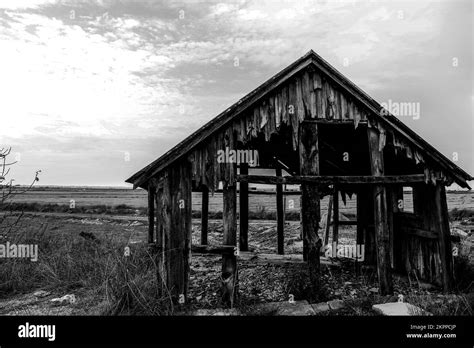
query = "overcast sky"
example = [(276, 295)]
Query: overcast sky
[(90, 92)]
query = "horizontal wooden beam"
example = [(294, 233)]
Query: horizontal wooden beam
[(419, 232), (336, 121), (257, 258), (347, 223), (299, 179), (213, 249)]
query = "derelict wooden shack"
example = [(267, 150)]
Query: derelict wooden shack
[(332, 138)]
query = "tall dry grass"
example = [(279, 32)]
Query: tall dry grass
[(127, 284)]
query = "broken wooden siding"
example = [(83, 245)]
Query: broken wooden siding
[(307, 95)]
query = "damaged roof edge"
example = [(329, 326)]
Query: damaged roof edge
[(141, 177)]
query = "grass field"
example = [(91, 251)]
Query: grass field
[(134, 202), (81, 253)]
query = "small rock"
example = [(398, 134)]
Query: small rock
[(199, 298), (66, 298), (297, 308), (374, 290), (347, 283), (399, 308), (336, 304), (320, 307), (217, 312), (458, 232), (41, 293), (285, 308)]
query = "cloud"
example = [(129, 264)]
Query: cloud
[(144, 75)]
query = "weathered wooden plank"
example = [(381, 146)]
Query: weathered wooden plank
[(292, 113), (395, 198), (380, 215), (244, 210), (277, 106), (213, 249), (347, 223), (312, 97), (284, 105), (310, 200), (328, 220), (159, 217), (229, 261), (204, 215), (280, 215), (318, 88), (229, 215), (151, 213), (365, 233), (306, 95), (331, 179), (421, 233), (175, 206), (300, 112), (335, 223), (444, 236)]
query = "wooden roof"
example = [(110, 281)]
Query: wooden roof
[(309, 59)]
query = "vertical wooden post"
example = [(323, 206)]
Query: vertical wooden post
[(396, 194), (335, 223), (175, 207), (204, 214), (382, 238), (328, 220), (364, 220), (280, 214), (361, 215), (163, 198), (444, 239), (229, 214), (244, 210), (310, 199), (151, 212)]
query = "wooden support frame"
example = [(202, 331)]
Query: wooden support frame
[(151, 212), (229, 275), (365, 217), (335, 223), (382, 238), (204, 214), (444, 239), (244, 210), (174, 206), (394, 195), (427, 236), (328, 220), (211, 249), (310, 199), (280, 215), (329, 179)]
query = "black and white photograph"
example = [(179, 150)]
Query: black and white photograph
[(226, 164)]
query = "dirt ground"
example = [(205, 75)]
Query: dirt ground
[(258, 283)]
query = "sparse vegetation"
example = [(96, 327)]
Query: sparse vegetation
[(461, 214), (89, 262)]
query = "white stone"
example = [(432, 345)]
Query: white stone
[(336, 304), (41, 293), (398, 308)]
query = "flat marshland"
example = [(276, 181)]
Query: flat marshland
[(82, 235)]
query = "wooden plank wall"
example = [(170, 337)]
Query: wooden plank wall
[(307, 96), (426, 247)]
